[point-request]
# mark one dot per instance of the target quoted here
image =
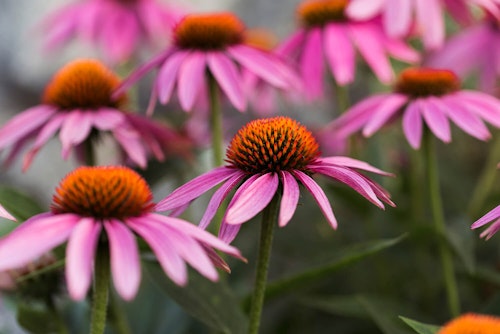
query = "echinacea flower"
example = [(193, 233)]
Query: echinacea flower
[(105, 207), (78, 104), (398, 15), (119, 27), (472, 323), (473, 50), (267, 156), (328, 34), (423, 95), (210, 45)]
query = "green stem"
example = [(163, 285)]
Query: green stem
[(439, 221), (117, 318), (216, 123), (89, 153), (486, 180), (101, 290), (269, 220)]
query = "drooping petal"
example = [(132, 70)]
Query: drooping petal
[(228, 77), (124, 258), (228, 232), (364, 9), (289, 46), (34, 237), (352, 163), (167, 75), (167, 256), (384, 112), (106, 119), (80, 254), (194, 188), (311, 64), (413, 125), (398, 17), (191, 79), (249, 202), (483, 105), (339, 53), (218, 197), (75, 128), (429, 16), (119, 34), (319, 195), (130, 142), (435, 119), (291, 194), (491, 215)]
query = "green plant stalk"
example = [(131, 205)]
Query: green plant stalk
[(89, 152), (269, 220), (216, 123), (101, 290), (439, 221), (117, 318)]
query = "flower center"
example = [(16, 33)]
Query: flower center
[(315, 13), (419, 82), (472, 324), (208, 31), (271, 145), (83, 84), (103, 192)]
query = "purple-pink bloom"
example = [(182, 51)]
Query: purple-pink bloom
[(328, 34), (402, 17), (78, 105), (492, 217), (120, 28), (210, 47), (423, 96), (268, 156), (107, 207), (473, 49)]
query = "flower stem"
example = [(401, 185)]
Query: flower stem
[(101, 291), (343, 101), (216, 123), (269, 220), (89, 152), (439, 221)]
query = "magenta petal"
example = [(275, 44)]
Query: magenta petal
[(319, 195), (311, 64), (228, 232), (429, 17), (398, 17), (228, 77), (130, 142), (413, 125), (493, 214), (384, 112), (191, 79), (290, 45), (194, 188), (170, 261), (339, 53), (124, 258), (291, 194), (167, 75), (252, 200), (218, 197), (364, 9), (483, 105), (80, 254), (435, 119), (34, 237), (106, 119), (352, 163), (74, 130)]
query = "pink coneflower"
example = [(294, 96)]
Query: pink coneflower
[(210, 45), (423, 95), (473, 49), (429, 16), (119, 27), (103, 207), (78, 104), (267, 156), (327, 33)]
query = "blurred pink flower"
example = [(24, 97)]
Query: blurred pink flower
[(398, 15), (78, 104), (423, 95), (327, 33), (492, 217), (116, 201), (267, 156), (475, 48), (210, 45), (119, 27)]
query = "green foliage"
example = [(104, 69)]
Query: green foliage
[(419, 327)]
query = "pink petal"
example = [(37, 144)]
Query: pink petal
[(493, 214), (364, 9), (191, 78), (339, 53), (311, 64), (74, 130), (398, 17), (252, 200), (483, 105), (119, 35), (399, 50), (384, 112), (106, 119), (228, 77), (167, 75), (290, 198), (5, 214), (34, 237), (290, 45), (352, 163), (435, 119), (228, 232), (124, 258), (130, 142), (413, 125), (429, 16), (319, 196), (195, 188), (218, 197), (80, 254)]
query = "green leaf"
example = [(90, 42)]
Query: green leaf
[(214, 304), (36, 319), (346, 258), (18, 204), (420, 327), (462, 241)]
